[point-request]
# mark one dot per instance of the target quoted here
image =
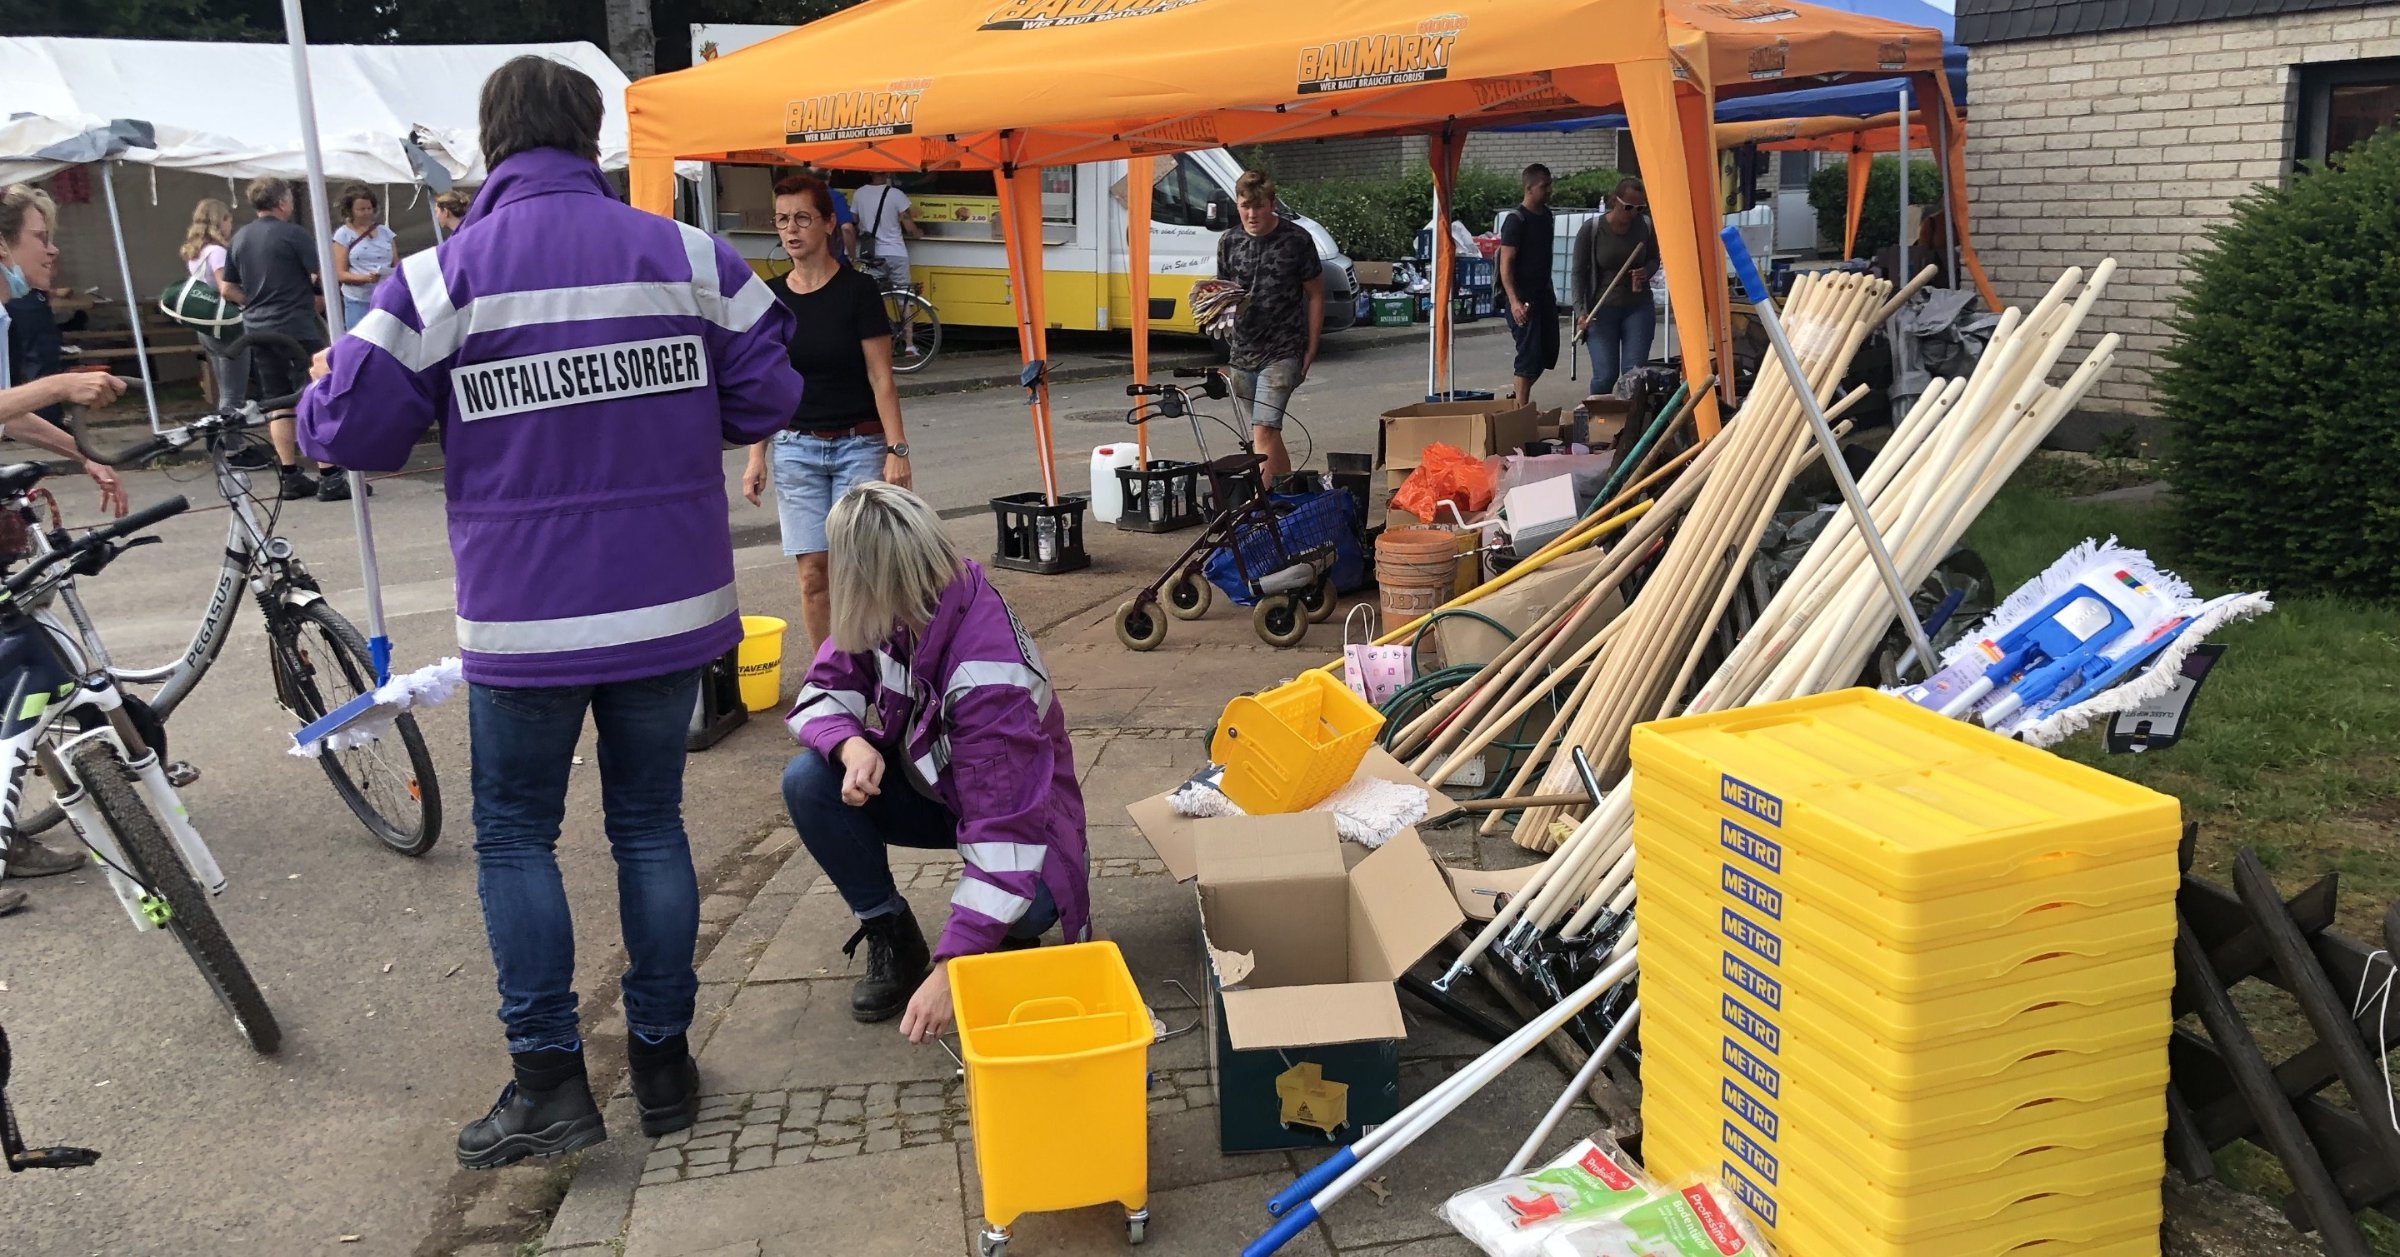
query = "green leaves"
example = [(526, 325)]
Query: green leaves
[(1378, 218), (2283, 384), (1879, 217)]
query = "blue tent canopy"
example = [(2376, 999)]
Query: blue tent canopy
[(1862, 99)]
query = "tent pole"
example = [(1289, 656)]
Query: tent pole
[(1941, 146), (133, 300), (1139, 172), (379, 642), (1899, 277)]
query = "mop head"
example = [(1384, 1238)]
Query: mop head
[(2138, 664), (370, 716), (1368, 811)]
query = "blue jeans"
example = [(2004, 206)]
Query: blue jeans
[(353, 310), (524, 748), (849, 842), (811, 473), (1619, 339)]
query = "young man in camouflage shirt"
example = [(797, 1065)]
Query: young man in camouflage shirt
[(1275, 336)]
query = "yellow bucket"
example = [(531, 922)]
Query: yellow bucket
[(760, 662), (1057, 1046)]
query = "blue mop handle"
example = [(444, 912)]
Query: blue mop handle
[(1286, 1229), (1316, 1180), (1744, 269), (379, 653)]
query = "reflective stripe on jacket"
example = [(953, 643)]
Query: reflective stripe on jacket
[(980, 726), (586, 362)]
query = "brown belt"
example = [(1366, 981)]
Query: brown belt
[(872, 427)]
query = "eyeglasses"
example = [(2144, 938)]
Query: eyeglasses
[(802, 221)]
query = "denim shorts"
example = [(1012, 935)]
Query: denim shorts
[(810, 473), (1267, 391)]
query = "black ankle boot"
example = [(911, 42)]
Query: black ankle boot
[(897, 960), (666, 1083), (546, 1110)]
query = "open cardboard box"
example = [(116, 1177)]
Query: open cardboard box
[(1171, 836), (1305, 937), (1481, 429)]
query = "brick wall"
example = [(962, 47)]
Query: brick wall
[(2131, 144)]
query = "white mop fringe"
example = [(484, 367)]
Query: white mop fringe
[(1367, 811), (2152, 682), (422, 688)]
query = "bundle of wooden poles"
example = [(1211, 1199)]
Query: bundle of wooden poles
[(1946, 458)]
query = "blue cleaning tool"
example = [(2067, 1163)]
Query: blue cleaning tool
[(2047, 649)]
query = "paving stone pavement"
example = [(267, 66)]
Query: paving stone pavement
[(818, 1135)]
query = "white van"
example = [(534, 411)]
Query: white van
[(961, 267), (960, 264)]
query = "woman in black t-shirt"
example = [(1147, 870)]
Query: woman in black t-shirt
[(847, 428)]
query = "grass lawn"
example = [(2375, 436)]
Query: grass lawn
[(2292, 749)]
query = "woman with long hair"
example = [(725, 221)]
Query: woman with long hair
[(204, 258), (364, 251)]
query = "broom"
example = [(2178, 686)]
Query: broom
[(370, 715)]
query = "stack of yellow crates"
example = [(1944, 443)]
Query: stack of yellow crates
[(1905, 983)]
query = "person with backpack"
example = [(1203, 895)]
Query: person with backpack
[(886, 222), (204, 264)]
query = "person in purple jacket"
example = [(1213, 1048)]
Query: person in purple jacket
[(586, 363), (970, 750)]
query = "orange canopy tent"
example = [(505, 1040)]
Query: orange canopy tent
[(1011, 86)]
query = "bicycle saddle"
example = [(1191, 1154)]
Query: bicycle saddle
[(18, 477)]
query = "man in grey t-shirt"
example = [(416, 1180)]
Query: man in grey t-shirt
[(271, 270)]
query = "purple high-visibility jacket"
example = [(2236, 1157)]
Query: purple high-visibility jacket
[(586, 361), (971, 715)]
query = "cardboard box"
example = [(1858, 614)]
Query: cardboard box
[(1540, 511), (1373, 274), (1305, 936), (1479, 428)]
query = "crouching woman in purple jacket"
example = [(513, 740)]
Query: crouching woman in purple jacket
[(928, 721)]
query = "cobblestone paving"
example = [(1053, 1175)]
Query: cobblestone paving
[(753, 1130)]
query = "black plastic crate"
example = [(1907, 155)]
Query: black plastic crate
[(1162, 498), (1038, 537)]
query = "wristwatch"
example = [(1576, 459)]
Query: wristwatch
[(897, 451)]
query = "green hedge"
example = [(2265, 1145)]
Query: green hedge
[(1379, 218), (2282, 387), (1879, 220)]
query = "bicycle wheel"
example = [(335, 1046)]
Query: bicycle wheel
[(158, 866), (916, 330), (320, 663)]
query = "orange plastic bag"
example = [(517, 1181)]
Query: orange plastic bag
[(1446, 474)]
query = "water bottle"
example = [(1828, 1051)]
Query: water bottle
[(1579, 430), (1045, 534)]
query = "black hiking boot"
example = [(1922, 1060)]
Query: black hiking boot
[(296, 484), (897, 960), (666, 1083), (31, 859), (545, 1110)]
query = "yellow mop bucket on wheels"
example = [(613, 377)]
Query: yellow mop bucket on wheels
[(760, 662), (1057, 1049)]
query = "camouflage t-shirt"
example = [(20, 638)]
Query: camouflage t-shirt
[(1274, 270)]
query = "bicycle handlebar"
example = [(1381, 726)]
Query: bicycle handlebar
[(26, 577), (1195, 373)]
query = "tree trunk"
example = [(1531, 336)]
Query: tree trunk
[(631, 43)]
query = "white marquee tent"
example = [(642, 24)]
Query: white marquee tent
[(226, 109)]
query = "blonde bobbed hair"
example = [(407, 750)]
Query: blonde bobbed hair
[(888, 564)]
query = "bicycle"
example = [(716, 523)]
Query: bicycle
[(388, 783), (65, 713), (916, 326)]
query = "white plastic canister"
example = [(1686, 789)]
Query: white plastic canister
[(1108, 497)]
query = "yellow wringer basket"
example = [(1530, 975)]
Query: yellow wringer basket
[(1288, 748)]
